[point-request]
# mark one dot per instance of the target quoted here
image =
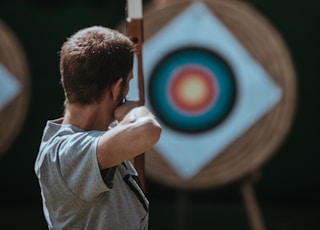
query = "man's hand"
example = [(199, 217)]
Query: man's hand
[(121, 111)]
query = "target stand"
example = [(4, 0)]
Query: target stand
[(221, 81)]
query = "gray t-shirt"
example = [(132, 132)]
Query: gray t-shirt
[(76, 194)]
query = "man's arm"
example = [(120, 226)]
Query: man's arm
[(136, 132)]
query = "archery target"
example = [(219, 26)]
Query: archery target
[(204, 87), (14, 86), (198, 86), (181, 89)]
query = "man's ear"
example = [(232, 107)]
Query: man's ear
[(116, 88)]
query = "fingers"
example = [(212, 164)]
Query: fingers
[(123, 109)]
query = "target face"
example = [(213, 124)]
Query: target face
[(198, 89), (204, 87)]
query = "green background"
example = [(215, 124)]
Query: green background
[(288, 188)]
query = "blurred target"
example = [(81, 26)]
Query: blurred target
[(198, 89), (261, 90), (14, 87), (246, 85)]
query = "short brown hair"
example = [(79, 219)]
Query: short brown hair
[(91, 60)]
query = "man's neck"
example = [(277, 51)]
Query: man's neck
[(88, 117)]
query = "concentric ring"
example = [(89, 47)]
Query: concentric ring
[(192, 89)]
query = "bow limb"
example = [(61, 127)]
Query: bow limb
[(135, 33)]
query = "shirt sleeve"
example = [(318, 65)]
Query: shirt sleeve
[(79, 165)]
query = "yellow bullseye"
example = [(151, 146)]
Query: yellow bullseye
[(192, 90)]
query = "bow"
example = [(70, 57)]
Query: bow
[(135, 33)]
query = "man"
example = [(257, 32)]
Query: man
[(83, 165)]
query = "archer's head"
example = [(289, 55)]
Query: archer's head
[(92, 60)]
